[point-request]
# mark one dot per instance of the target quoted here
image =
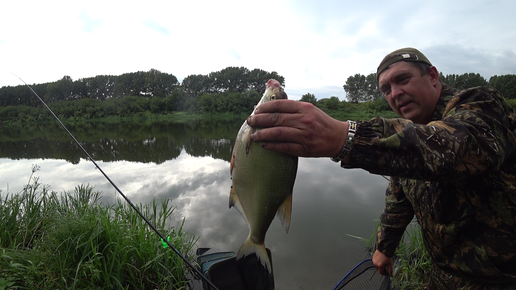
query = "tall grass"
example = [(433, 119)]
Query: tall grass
[(69, 240), (412, 262)]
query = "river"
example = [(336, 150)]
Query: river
[(189, 164)]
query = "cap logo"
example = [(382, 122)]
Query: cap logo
[(408, 55)]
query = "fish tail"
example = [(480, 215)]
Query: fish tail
[(249, 247)]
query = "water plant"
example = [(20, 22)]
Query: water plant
[(69, 240)]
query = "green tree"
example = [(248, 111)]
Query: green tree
[(129, 84), (332, 103), (158, 84), (506, 84), (60, 90), (355, 88), (258, 78), (464, 81), (158, 105), (100, 87), (194, 85), (309, 98), (8, 96), (176, 100), (360, 88), (232, 79), (372, 90)]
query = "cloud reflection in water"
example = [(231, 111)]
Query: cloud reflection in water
[(329, 202)]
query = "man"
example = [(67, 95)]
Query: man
[(451, 158)]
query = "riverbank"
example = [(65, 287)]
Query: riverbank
[(30, 116)]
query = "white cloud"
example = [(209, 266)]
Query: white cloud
[(315, 45)]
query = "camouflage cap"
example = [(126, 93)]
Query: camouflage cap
[(405, 54)]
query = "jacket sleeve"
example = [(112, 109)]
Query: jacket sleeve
[(474, 135), (397, 215)]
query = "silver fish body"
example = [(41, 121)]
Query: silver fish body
[(262, 183)]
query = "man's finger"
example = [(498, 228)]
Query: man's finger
[(381, 270), (265, 120), (283, 147), (278, 106), (277, 134)]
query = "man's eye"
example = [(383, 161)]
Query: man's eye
[(404, 80), (385, 91)]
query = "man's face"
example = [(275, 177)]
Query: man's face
[(411, 95)]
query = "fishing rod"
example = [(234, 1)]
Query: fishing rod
[(163, 239)]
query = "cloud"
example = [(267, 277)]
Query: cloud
[(234, 53), (452, 59), (89, 23), (155, 26), (315, 45)]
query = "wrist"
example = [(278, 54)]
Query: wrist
[(349, 136)]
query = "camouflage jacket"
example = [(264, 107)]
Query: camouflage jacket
[(457, 175)]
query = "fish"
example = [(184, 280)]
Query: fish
[(262, 183)]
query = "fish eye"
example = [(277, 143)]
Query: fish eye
[(273, 97)]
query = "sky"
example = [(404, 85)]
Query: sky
[(314, 44)]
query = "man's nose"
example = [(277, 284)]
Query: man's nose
[(396, 91)]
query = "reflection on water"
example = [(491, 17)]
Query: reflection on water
[(189, 165), (142, 142)]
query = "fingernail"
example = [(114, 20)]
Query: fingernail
[(249, 120)]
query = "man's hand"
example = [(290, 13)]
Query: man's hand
[(382, 263), (298, 128)]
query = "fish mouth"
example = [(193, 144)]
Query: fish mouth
[(275, 89), (272, 83)]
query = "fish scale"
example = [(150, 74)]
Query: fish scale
[(262, 183)]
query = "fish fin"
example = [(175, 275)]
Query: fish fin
[(235, 202), (233, 198), (247, 140), (249, 247), (284, 212), (248, 147)]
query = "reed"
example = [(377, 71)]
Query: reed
[(70, 240)]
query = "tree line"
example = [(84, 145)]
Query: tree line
[(233, 89), (361, 88), (139, 84)]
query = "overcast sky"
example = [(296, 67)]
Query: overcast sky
[(315, 44)]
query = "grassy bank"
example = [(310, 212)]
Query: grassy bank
[(11, 116), (183, 117), (70, 240), (176, 117)]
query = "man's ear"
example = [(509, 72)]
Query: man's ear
[(434, 75)]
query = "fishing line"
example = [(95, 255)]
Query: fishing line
[(165, 240)]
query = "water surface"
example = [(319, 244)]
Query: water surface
[(189, 164)]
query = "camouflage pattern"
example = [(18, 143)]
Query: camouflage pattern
[(457, 175)]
